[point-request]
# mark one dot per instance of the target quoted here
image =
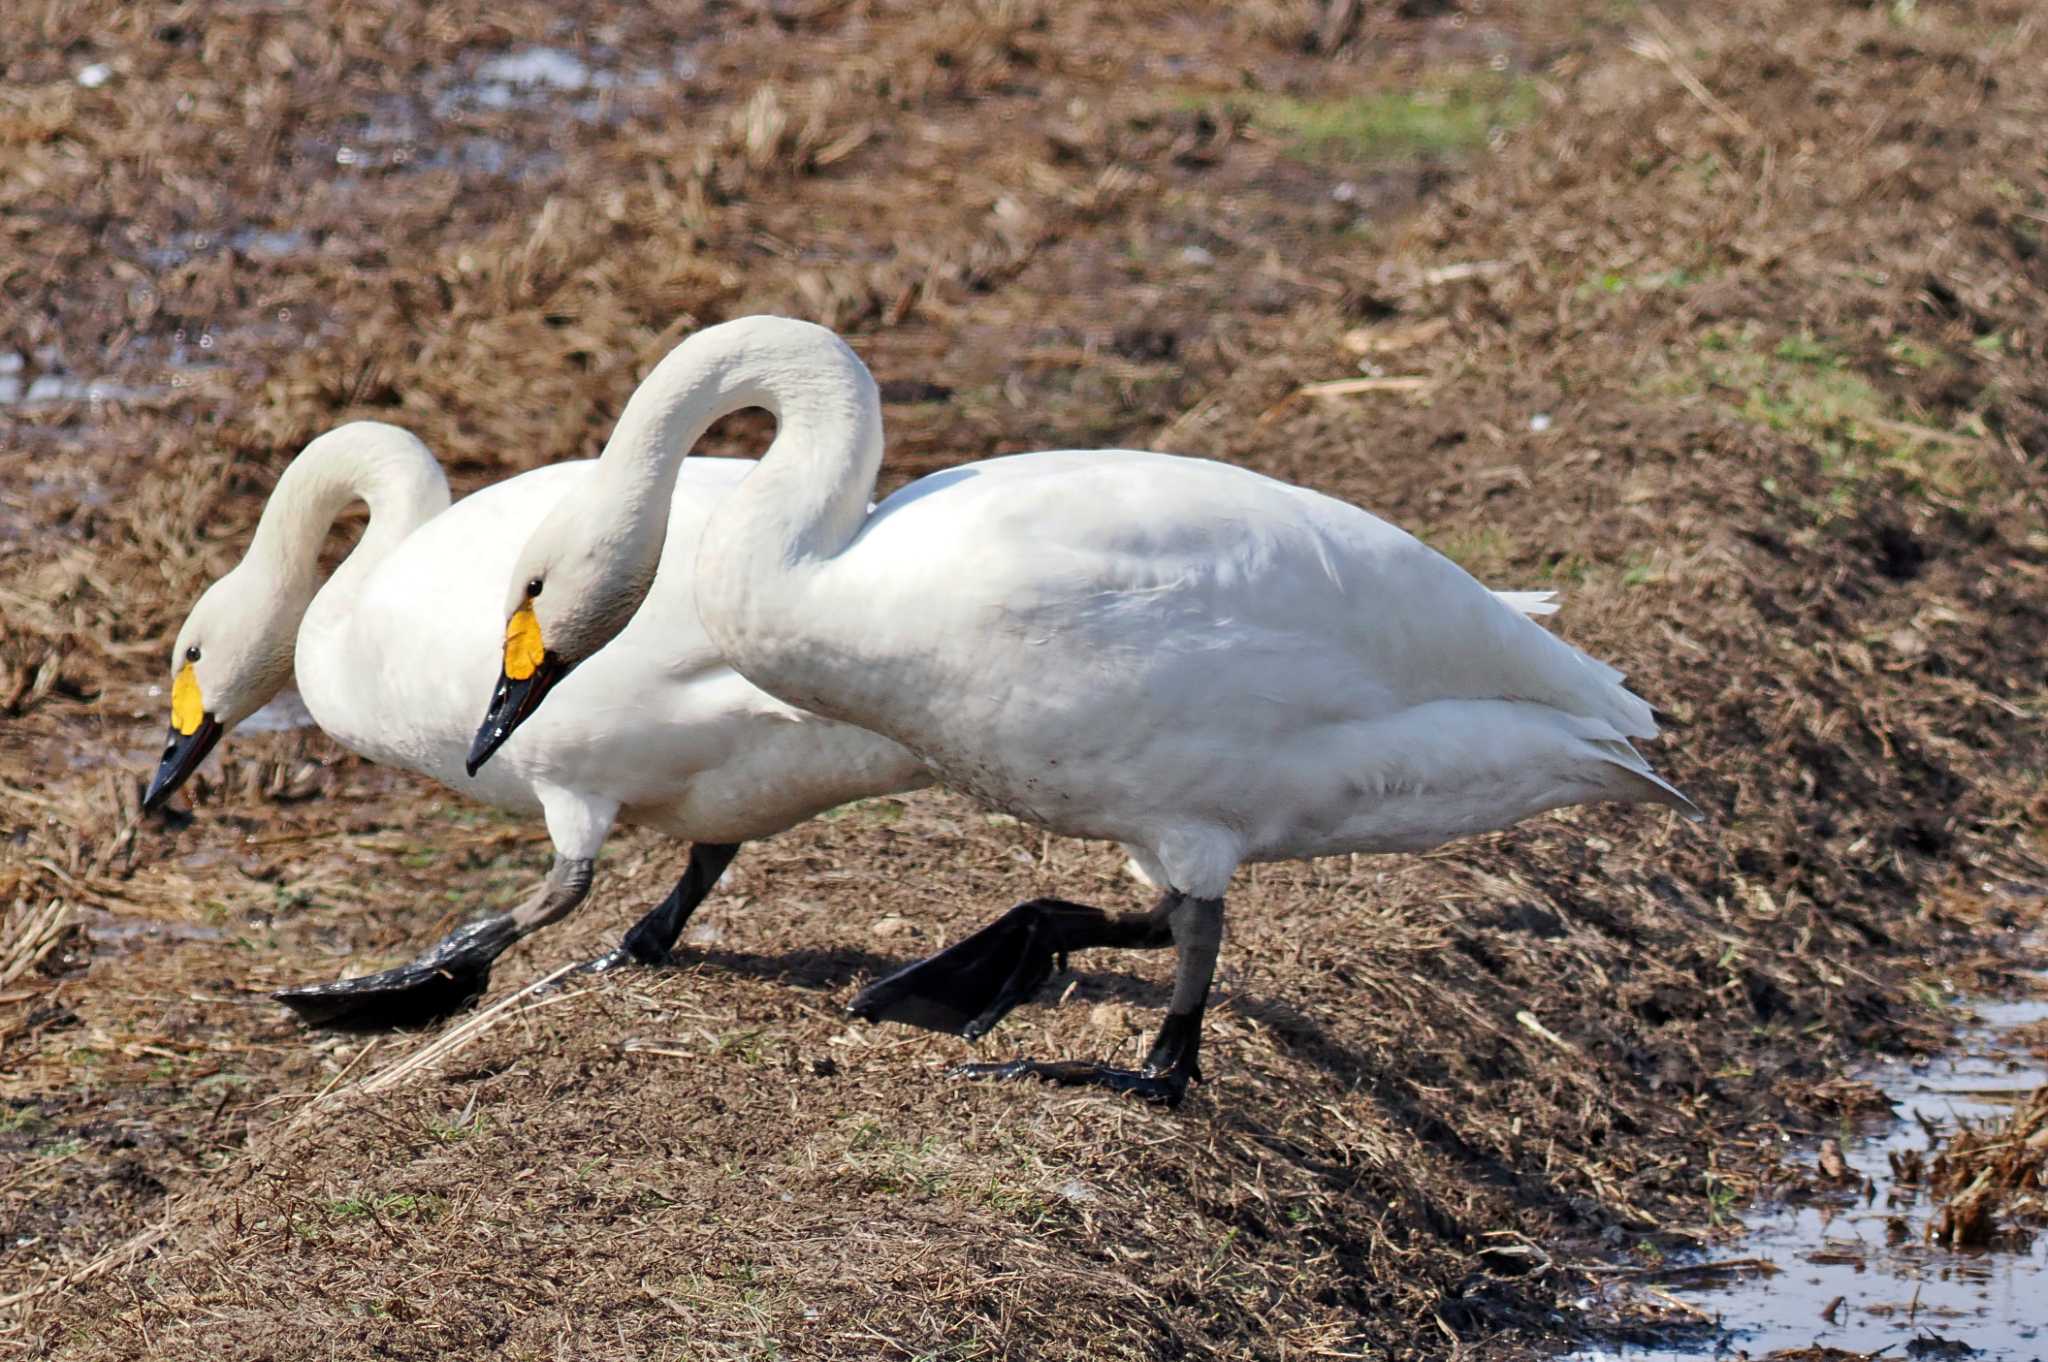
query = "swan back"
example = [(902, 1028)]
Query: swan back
[(1187, 655), (1162, 575)]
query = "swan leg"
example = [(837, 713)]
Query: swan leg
[(1197, 926), (449, 975), (973, 984), (650, 940)]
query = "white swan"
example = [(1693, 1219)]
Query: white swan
[(390, 655), (1201, 663)]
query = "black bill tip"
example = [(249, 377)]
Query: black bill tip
[(182, 755), (512, 704)]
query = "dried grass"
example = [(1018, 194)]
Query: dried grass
[(1547, 1038), (27, 935), (1992, 1180)]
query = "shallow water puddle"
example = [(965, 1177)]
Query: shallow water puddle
[(113, 931), (531, 75), (1858, 1275), (432, 131), (54, 384), (148, 369), (257, 243)]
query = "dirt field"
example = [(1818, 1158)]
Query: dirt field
[(1730, 323)]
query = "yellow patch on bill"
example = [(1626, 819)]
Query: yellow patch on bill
[(188, 711), (522, 644)]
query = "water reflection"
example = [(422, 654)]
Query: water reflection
[(1857, 1273)]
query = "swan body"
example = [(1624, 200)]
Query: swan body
[(654, 730), (1204, 664), (1192, 659)]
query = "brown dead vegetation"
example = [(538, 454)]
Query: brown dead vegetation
[(1737, 341), (1992, 1181)]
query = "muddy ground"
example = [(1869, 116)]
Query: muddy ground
[(1727, 322)]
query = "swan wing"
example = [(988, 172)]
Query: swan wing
[(1293, 598)]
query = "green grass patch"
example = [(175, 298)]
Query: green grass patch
[(1913, 354), (1802, 385), (745, 1298), (1639, 570), (398, 1206), (26, 1119), (1619, 281), (1802, 348), (744, 1045), (1444, 120), (467, 1126), (1482, 550), (926, 1168), (880, 810)]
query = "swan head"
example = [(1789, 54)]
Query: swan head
[(232, 657), (576, 585)]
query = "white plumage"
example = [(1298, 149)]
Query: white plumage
[(394, 651), (1201, 663), (1184, 656)]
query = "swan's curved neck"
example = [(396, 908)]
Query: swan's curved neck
[(363, 461), (805, 501)]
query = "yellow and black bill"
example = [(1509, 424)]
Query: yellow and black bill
[(529, 673), (193, 734)]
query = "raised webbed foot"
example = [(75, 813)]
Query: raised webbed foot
[(1164, 1089), (438, 982), (971, 985)]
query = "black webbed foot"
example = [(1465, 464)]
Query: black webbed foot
[(639, 947), (973, 984), (616, 958), (651, 941), (438, 982), (1163, 1079), (1164, 1089), (968, 987)]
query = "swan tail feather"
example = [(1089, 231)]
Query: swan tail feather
[(1626, 710), (1644, 783), (1529, 602), (1570, 678)]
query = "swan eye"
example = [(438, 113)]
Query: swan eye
[(192, 653), (533, 588)]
